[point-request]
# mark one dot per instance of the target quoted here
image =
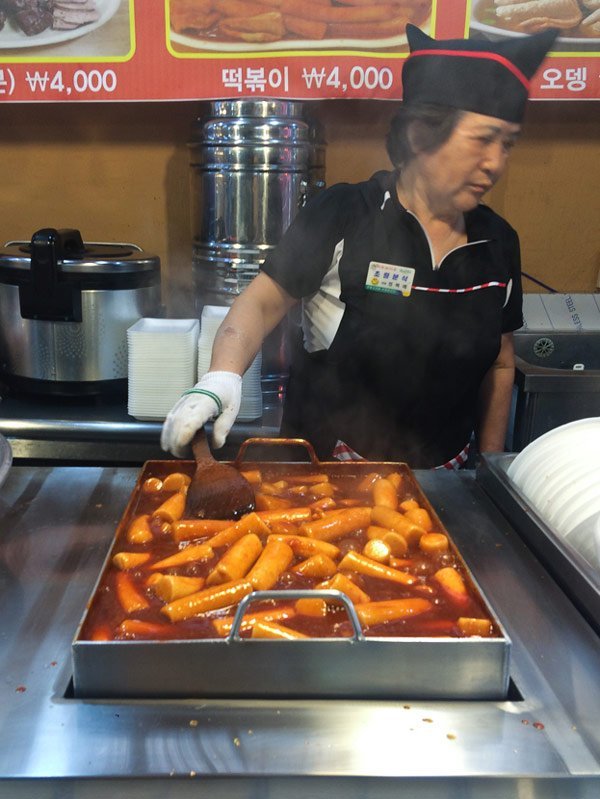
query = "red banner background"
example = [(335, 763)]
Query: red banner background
[(131, 57)]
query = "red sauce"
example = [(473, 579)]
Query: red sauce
[(106, 614)]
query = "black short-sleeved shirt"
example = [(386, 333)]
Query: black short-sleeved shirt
[(394, 347)]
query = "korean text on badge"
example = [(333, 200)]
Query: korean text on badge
[(389, 278)]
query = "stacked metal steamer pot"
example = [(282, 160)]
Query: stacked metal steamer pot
[(254, 163)]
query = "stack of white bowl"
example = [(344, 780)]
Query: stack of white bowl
[(559, 474), (251, 405), (161, 365)]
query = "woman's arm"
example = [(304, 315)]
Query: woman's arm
[(253, 315), (218, 394), (495, 398)]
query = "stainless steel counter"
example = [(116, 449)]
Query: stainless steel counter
[(56, 525)]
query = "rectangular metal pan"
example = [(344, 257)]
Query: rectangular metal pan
[(578, 579), (235, 667)]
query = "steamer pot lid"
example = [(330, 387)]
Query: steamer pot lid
[(257, 122), (245, 130), (254, 107), (75, 257)]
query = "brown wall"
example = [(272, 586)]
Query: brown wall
[(119, 172)]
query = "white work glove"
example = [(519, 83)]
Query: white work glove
[(216, 396)]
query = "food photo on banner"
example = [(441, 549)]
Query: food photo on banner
[(51, 30), (231, 26), (577, 20), (570, 72)]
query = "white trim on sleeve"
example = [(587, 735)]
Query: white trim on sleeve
[(322, 312)]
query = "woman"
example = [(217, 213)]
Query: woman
[(410, 288)]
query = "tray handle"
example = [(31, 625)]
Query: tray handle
[(277, 442), (310, 593)]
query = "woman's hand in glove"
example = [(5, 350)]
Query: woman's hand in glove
[(216, 396)]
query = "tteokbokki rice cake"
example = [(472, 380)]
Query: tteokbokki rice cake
[(371, 536)]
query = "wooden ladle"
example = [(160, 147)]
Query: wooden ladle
[(217, 490)]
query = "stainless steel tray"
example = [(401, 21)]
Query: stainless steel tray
[(235, 667), (576, 576)]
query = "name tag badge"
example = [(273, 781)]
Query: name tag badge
[(390, 279)]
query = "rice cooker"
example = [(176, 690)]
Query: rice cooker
[(65, 306)]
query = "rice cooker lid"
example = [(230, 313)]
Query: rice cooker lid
[(62, 255)]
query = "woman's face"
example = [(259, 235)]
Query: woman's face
[(458, 173)]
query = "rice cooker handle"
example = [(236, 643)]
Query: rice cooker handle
[(46, 297), (48, 247)]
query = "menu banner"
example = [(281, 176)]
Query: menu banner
[(128, 50)]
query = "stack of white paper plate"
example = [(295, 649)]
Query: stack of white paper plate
[(559, 474), (162, 357), (251, 405)]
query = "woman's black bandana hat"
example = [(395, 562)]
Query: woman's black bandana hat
[(490, 78)]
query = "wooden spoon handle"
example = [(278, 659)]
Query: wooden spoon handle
[(200, 447)]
